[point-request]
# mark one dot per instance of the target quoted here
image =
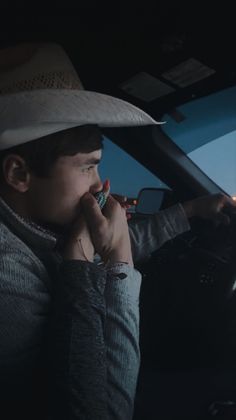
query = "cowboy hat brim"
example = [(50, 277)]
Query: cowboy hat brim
[(29, 115)]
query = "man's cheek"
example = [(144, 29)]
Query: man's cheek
[(76, 207)]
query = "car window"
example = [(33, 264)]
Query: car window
[(205, 129), (127, 176), (218, 160)]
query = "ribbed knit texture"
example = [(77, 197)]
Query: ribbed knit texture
[(68, 330)]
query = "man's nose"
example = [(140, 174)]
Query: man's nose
[(96, 186)]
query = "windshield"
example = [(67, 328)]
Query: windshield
[(218, 160), (205, 129)]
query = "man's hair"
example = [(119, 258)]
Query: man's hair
[(41, 154)]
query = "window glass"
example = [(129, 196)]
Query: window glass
[(218, 160), (127, 176)]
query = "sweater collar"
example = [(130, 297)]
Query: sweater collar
[(28, 231)]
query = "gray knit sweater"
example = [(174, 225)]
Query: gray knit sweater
[(69, 330)]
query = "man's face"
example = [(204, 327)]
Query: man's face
[(56, 199)]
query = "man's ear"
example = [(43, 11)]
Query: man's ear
[(16, 173)]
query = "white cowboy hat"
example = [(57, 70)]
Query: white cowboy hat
[(41, 93)]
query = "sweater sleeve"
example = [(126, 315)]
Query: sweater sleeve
[(24, 308), (78, 353), (152, 232), (122, 339), (65, 334), (96, 341)]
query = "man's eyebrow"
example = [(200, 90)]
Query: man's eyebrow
[(91, 161)]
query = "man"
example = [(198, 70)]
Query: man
[(69, 327), (77, 332), (64, 319)]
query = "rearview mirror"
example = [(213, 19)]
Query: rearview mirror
[(151, 200)]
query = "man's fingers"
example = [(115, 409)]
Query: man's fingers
[(224, 200), (225, 209), (120, 198), (112, 208), (91, 210), (230, 204), (111, 204)]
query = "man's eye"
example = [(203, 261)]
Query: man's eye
[(88, 169)]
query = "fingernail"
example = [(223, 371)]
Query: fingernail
[(106, 185)]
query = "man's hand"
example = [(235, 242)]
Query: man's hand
[(124, 202), (108, 229), (211, 207), (79, 244)]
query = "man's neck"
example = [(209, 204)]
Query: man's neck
[(14, 201)]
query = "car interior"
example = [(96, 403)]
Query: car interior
[(161, 57)]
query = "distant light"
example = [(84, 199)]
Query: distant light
[(234, 197), (135, 202)]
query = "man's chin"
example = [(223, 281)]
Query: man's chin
[(58, 228)]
